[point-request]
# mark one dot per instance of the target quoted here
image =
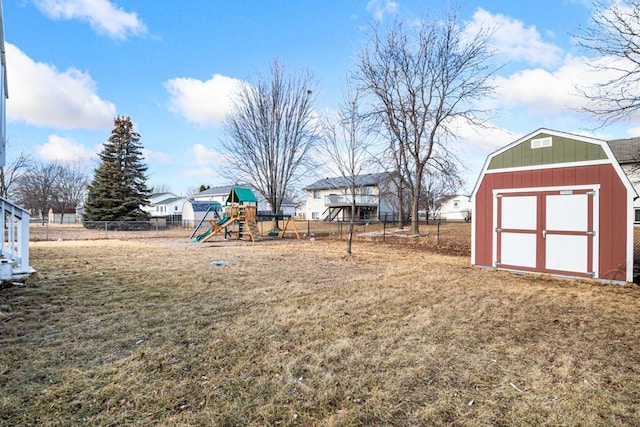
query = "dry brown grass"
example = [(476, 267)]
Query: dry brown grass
[(295, 333)]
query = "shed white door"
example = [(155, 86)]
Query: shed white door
[(569, 232), (546, 231), (517, 236)]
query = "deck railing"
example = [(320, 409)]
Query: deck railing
[(335, 200), (15, 229)]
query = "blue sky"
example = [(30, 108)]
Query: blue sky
[(73, 65)]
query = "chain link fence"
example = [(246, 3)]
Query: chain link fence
[(448, 236)]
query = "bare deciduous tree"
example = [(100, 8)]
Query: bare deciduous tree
[(270, 131), (11, 173), (37, 188), (71, 187), (347, 144), (438, 185), (52, 185), (423, 84), (613, 35)]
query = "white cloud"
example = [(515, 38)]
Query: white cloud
[(203, 156), (102, 15), (41, 95), (378, 8), (204, 103), (62, 149), (550, 93), (156, 156), (514, 40)]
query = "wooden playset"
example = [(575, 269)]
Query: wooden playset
[(240, 219)]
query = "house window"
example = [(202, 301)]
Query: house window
[(455, 204), (316, 194), (315, 215), (637, 216), (175, 208), (365, 215), (366, 191)]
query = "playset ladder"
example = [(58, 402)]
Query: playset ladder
[(252, 228)]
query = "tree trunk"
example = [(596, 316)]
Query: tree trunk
[(415, 208), (352, 222), (400, 203)]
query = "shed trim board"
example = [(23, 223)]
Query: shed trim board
[(549, 166), (572, 165)]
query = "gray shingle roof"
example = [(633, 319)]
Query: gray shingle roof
[(216, 191), (341, 182), (626, 150)]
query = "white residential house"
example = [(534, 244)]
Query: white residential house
[(165, 205), (329, 199), (220, 194), (455, 208)]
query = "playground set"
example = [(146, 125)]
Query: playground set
[(238, 219)]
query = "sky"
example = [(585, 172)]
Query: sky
[(172, 66)]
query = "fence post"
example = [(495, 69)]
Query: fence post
[(46, 230), (106, 235), (308, 227), (157, 228), (438, 234)]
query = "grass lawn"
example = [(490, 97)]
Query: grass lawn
[(295, 333)]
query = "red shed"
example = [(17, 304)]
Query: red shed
[(556, 203)]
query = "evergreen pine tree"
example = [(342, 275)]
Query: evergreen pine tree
[(119, 185)]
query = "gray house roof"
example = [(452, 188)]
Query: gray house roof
[(216, 191), (626, 150), (341, 182)]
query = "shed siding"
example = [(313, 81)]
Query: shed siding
[(562, 150), (612, 210)]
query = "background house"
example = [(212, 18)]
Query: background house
[(165, 205), (62, 216), (329, 199), (455, 208)]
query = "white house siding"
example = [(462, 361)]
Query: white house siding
[(164, 204), (315, 206), (456, 208), (168, 207), (316, 209)]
